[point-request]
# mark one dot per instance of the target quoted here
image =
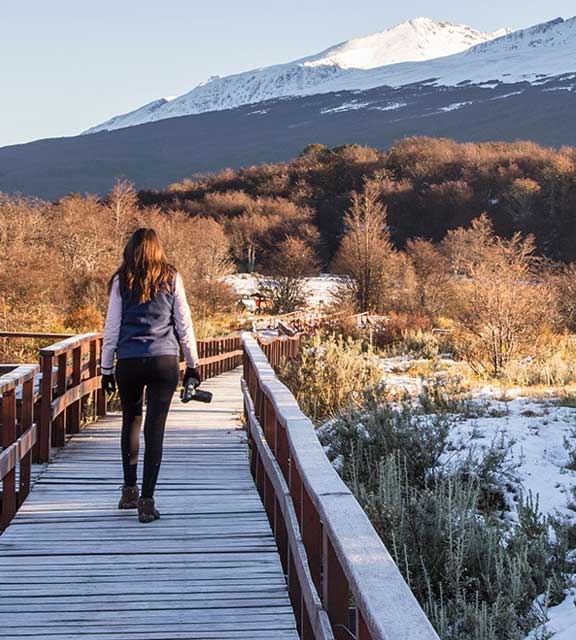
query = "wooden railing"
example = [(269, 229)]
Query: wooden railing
[(70, 375), (63, 393), (218, 355), (342, 581), (18, 435), (279, 350)]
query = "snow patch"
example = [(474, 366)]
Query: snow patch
[(392, 106), (455, 106), (561, 620), (347, 106), (507, 95), (320, 291)]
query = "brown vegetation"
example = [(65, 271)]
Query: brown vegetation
[(429, 186), (468, 238), (56, 259)]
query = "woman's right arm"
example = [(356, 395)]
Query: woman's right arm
[(111, 328)]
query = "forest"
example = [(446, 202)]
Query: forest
[(266, 217), (428, 185)]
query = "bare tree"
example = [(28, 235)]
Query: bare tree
[(503, 306), (122, 202), (285, 286), (201, 251), (365, 248), (564, 284), (432, 277)]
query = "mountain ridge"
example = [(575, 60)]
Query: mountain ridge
[(411, 41)]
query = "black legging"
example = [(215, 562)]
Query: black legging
[(159, 375)]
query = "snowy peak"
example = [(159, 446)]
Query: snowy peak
[(416, 40), (419, 39), (534, 55), (555, 34), (143, 114)]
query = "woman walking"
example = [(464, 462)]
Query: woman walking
[(148, 320)]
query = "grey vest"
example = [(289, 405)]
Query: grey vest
[(147, 328)]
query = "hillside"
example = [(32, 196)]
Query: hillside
[(156, 154)]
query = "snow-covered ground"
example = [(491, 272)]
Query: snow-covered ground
[(533, 429), (319, 290), (561, 623)]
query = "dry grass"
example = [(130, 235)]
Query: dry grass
[(332, 374)]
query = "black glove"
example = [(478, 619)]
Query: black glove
[(192, 372), (109, 383)]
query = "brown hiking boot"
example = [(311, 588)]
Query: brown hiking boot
[(129, 499), (147, 511)]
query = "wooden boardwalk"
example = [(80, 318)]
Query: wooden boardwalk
[(73, 566)]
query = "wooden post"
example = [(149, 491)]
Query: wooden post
[(100, 395), (295, 593), (281, 535), (73, 416), (269, 424), (311, 528), (336, 595), (45, 434), (307, 632), (295, 484), (26, 419), (282, 450), (93, 372), (259, 474), (269, 498), (362, 632), (59, 422), (9, 503)]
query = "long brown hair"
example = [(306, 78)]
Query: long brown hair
[(144, 271)]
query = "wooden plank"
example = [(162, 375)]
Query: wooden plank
[(73, 566)]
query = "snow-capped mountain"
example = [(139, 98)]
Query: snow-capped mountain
[(530, 55), (414, 41)]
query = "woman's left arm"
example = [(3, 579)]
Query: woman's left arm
[(111, 329), (184, 326)]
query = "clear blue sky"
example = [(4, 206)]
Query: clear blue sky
[(69, 64)]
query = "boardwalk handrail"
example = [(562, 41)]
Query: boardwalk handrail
[(218, 355), (345, 555), (18, 436), (70, 373), (30, 335)]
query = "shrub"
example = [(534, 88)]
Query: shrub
[(448, 394), (503, 308), (331, 374), (420, 343), (476, 576), (552, 362), (362, 438), (570, 446)]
